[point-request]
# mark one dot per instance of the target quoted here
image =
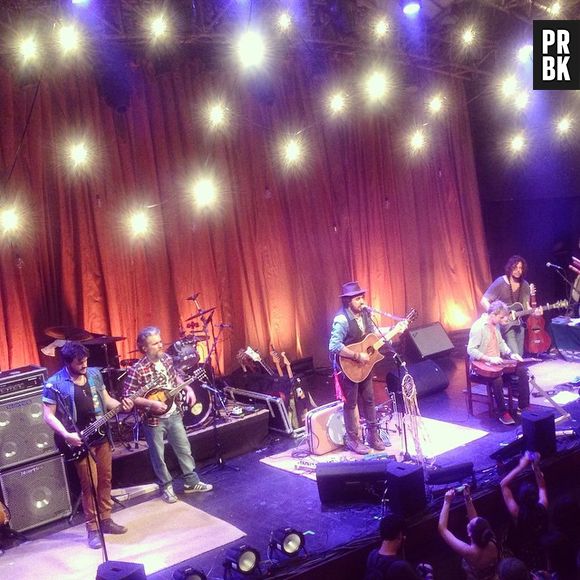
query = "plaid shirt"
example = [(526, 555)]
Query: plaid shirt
[(144, 372)]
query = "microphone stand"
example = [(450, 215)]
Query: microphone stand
[(217, 400), (400, 364), (568, 283)]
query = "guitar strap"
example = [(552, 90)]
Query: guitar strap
[(338, 387)]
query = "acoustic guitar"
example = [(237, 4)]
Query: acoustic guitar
[(517, 311), (5, 516), (536, 338), (169, 396), (358, 371)]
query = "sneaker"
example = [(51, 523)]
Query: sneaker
[(108, 526), (199, 487), (168, 495), (506, 418), (94, 540)]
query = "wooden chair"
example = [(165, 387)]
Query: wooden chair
[(478, 389)]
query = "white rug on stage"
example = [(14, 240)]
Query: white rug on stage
[(557, 377), (159, 536), (437, 438)]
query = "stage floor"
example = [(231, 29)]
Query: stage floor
[(258, 498)]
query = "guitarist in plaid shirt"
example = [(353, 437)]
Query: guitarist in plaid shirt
[(163, 422)]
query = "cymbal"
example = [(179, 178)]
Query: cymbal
[(128, 362), (67, 333), (98, 340), (201, 313)]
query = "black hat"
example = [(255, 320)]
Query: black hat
[(351, 289)]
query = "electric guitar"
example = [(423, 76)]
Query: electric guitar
[(96, 430), (358, 371)]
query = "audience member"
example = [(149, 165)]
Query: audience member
[(529, 513), (512, 569), (385, 562), (480, 556)]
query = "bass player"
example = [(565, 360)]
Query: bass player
[(487, 345), (350, 325), (77, 392), (163, 420)]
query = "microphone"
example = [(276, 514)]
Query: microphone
[(550, 265), (225, 325), (193, 296), (368, 308)]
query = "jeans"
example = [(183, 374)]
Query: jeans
[(172, 429), (508, 379), (101, 472), (352, 392), (514, 338)]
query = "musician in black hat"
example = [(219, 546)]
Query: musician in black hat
[(350, 325)]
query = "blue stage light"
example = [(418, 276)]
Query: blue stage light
[(411, 7)]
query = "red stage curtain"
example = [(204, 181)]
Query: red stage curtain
[(273, 254)]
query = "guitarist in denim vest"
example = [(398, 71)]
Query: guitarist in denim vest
[(351, 324), (81, 389)]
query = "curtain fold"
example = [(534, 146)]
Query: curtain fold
[(272, 253)]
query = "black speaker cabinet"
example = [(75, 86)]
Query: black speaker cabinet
[(36, 493), (539, 429), (368, 480), (351, 481), (112, 570), (406, 488), (430, 340), (24, 436), (428, 376)]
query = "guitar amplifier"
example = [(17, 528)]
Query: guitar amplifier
[(28, 379), (279, 419), (325, 428)]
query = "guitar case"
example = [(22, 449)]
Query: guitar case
[(325, 428)]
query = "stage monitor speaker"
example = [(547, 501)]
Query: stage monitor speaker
[(430, 340), (406, 488), (112, 570), (428, 376), (453, 474), (351, 481), (539, 429), (36, 493), (24, 436)]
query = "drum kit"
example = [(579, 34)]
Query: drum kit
[(190, 352)]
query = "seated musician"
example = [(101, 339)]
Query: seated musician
[(486, 344)]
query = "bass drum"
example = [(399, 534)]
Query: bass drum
[(184, 354), (198, 415)]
